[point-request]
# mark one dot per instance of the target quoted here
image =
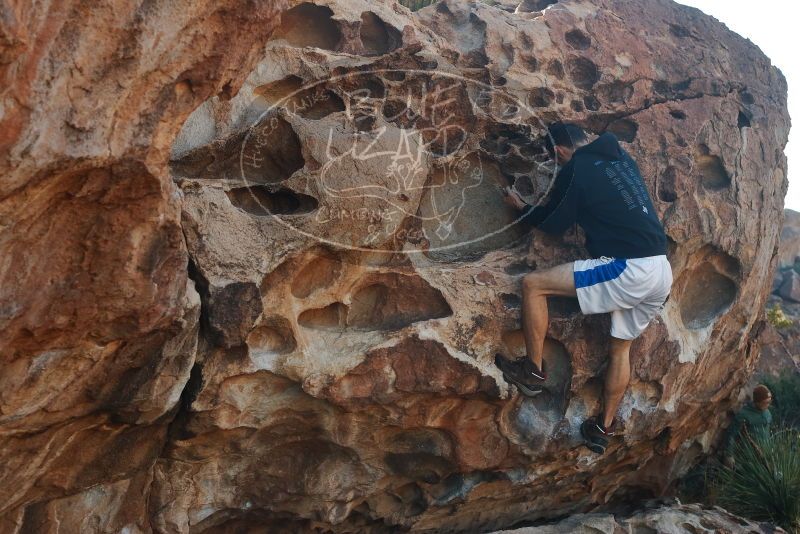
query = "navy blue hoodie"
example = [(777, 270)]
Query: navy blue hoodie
[(601, 189)]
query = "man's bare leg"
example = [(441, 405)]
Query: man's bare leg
[(536, 287), (618, 375)]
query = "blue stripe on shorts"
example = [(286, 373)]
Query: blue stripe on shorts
[(599, 274)]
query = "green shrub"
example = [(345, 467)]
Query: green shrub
[(785, 399), (764, 482), (777, 318), (414, 5)]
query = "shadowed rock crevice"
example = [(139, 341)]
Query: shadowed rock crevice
[(394, 301), (530, 6), (667, 185), (707, 288), (320, 272), (263, 201), (272, 336), (615, 92), (541, 97), (271, 153), (743, 120), (312, 102), (625, 130), (331, 317), (377, 37), (278, 91), (229, 312), (578, 40), (308, 24), (268, 153), (583, 72), (710, 169)]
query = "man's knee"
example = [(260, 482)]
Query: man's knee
[(530, 282), (620, 348), (556, 281)]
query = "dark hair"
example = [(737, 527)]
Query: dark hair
[(564, 134), (760, 393)]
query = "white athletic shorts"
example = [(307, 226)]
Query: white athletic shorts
[(633, 290)]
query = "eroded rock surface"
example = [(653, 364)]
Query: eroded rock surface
[(780, 338), (219, 312), (674, 519)]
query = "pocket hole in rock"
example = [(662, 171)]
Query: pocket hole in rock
[(308, 24), (331, 317), (679, 31), (378, 37), (583, 72), (261, 201), (591, 103), (394, 301), (276, 91), (555, 68), (578, 40), (540, 97), (743, 121), (318, 273), (666, 185), (712, 172), (614, 92), (321, 106), (272, 153), (273, 335), (624, 129), (530, 63), (708, 293), (312, 103), (511, 301)]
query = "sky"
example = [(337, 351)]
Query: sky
[(772, 25)]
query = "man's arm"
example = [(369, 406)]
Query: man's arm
[(561, 211)]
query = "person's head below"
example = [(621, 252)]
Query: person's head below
[(762, 397), (563, 139)]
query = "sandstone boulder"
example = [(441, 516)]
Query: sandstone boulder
[(674, 519), (258, 261)]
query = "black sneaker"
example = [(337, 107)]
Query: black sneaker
[(523, 373), (596, 435)]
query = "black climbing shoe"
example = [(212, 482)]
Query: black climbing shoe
[(596, 435), (523, 373)]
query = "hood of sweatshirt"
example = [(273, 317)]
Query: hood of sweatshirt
[(606, 146)]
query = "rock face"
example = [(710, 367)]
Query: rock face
[(780, 338), (257, 262), (790, 239), (675, 519)]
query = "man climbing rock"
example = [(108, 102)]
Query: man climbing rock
[(754, 417), (599, 187)]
